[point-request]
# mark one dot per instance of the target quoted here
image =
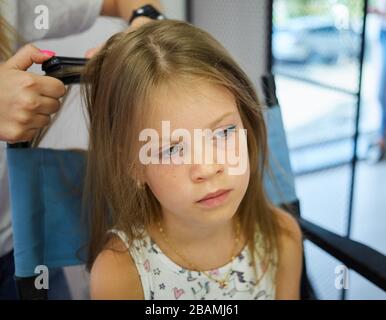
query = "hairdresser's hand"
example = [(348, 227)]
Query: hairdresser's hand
[(26, 100), (137, 22)]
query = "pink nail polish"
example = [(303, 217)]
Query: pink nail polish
[(48, 52)]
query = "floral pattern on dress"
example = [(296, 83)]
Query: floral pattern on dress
[(163, 279), (167, 283)]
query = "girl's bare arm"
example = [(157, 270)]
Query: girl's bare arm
[(291, 259), (114, 276)]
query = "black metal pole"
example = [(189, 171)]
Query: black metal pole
[(269, 16), (188, 11), (356, 132)]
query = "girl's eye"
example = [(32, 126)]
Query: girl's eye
[(178, 147), (171, 151), (228, 131)]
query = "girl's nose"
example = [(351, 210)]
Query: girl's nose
[(202, 172)]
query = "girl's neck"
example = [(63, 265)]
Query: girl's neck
[(190, 234), (207, 247)]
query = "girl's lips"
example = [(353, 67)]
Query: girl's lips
[(215, 201), (214, 194)]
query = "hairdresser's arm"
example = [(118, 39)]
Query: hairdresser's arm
[(114, 275), (45, 19), (124, 8), (27, 100), (290, 260)]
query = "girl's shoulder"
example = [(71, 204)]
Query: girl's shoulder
[(289, 227), (114, 274), (290, 257)]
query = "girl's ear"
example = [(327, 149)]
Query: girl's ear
[(139, 177), (141, 181), (140, 185)]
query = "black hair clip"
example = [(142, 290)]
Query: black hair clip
[(66, 69)]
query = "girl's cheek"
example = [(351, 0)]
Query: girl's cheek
[(162, 175), (230, 149)]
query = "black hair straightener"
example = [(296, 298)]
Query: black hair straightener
[(66, 69)]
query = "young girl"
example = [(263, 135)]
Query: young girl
[(154, 236)]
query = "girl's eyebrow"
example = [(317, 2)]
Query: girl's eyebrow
[(211, 125), (214, 123)]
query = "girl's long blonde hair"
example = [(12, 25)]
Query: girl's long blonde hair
[(120, 83), (10, 39), (6, 37)]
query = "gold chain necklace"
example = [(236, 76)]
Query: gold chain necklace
[(223, 283)]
